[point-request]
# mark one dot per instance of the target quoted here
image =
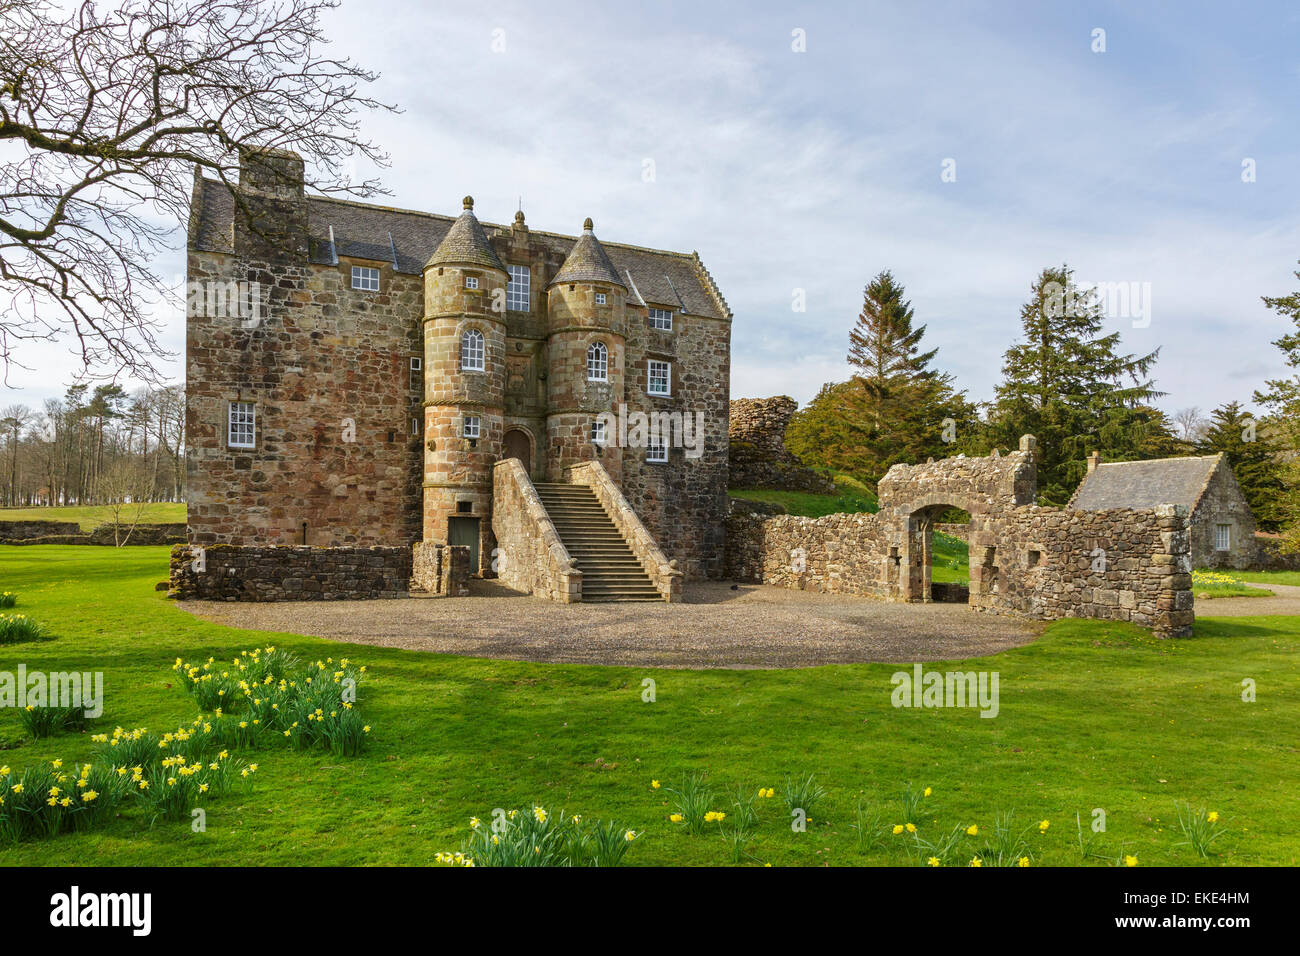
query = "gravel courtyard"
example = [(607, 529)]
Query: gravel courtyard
[(752, 626)]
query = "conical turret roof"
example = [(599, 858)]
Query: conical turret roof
[(466, 244), (588, 262)]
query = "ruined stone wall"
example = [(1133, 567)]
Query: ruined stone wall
[(758, 456), (17, 530), (1269, 556), (440, 569), (1043, 563), (250, 573)]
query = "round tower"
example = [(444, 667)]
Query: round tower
[(586, 349), (464, 385)]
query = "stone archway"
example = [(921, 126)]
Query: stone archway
[(917, 584)]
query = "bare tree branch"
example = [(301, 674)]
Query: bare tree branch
[(105, 114)]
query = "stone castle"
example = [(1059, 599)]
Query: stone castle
[(357, 374)]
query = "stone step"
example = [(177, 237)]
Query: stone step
[(609, 566)]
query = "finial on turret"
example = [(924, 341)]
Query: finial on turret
[(468, 202), (587, 225), (519, 216)]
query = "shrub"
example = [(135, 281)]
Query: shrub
[(19, 627), (540, 838), (46, 721)]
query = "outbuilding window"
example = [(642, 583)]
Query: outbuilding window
[(1223, 537)]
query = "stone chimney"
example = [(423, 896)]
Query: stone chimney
[(1093, 461), (270, 207)]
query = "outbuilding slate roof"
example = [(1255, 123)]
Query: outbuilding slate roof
[(407, 238), (1145, 484)]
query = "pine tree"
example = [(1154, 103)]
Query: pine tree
[(1071, 387), (885, 348), (1251, 454), (1282, 398)]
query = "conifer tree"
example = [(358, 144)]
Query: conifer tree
[(1250, 452), (1069, 385), (1282, 397)]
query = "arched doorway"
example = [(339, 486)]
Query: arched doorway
[(940, 558), (519, 445)]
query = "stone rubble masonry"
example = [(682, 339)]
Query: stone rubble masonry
[(531, 556), (663, 572), (1269, 557), (440, 569), (759, 458), (16, 530), (289, 573), (1043, 563), (142, 534)]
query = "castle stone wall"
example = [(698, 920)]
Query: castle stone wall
[(251, 573)]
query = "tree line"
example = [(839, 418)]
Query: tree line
[(1064, 380), (99, 445)]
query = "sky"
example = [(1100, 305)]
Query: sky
[(803, 148)]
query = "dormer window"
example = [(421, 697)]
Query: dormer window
[(471, 351), (661, 319), (365, 279), (471, 282)]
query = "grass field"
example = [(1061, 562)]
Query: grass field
[(1093, 715), (1220, 584), (92, 516), (1291, 578)]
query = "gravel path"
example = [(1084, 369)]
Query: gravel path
[(752, 626), (1285, 600)]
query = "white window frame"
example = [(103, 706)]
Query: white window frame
[(666, 376), (1223, 537), (471, 427), (600, 298), (656, 451), (599, 432), (519, 289), (241, 421), (661, 319), (415, 427), (598, 362), (365, 279), (471, 282), (473, 351), (417, 368)]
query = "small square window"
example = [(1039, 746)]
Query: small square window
[(1223, 537), (365, 278), (598, 431), (1034, 559), (471, 427), (242, 425), (661, 319), (659, 378), (600, 298), (471, 282), (464, 507), (656, 451)]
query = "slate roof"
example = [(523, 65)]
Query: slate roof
[(407, 238), (465, 243), (587, 262), (1145, 484)]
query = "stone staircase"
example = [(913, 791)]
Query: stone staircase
[(610, 570)]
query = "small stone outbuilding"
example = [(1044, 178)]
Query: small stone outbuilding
[(1222, 526)]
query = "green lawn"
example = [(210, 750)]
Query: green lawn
[(1269, 577), (92, 516), (950, 561), (809, 504), (1093, 715)]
